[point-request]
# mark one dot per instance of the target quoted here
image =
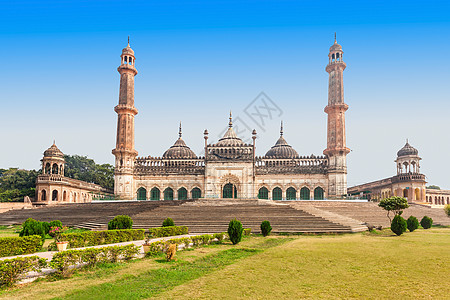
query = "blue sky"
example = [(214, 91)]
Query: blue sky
[(199, 59)]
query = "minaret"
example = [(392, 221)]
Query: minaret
[(336, 148), (124, 151)]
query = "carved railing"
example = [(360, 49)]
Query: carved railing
[(229, 153), (56, 178), (163, 166), (302, 165), (408, 177)]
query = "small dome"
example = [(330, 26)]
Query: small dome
[(281, 149), (53, 151), (179, 149), (230, 139), (127, 50), (407, 150), (335, 47)]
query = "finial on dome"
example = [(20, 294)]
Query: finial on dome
[(179, 132), (281, 129), (128, 41), (335, 38), (407, 141), (54, 142), (230, 124)]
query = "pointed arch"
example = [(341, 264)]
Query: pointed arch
[(291, 194), (141, 194), (196, 193), (168, 194), (155, 194), (263, 193), (305, 193), (277, 194), (182, 194), (318, 193)]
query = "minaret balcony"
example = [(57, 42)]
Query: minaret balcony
[(123, 108)]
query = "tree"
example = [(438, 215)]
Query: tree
[(433, 187), (85, 169), (394, 204), (398, 225), (16, 184)]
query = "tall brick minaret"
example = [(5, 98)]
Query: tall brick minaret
[(124, 152), (336, 148)]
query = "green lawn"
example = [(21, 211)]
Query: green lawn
[(365, 265)]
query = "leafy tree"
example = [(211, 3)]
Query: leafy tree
[(394, 204), (447, 209), (168, 222), (433, 187), (16, 184), (85, 169)]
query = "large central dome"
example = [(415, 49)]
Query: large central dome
[(179, 149), (281, 149)]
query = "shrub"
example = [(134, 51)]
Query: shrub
[(447, 209), (394, 204), (235, 230), (247, 231), (398, 225), (20, 245), (94, 238), (32, 227), (120, 222), (167, 231), (266, 228), (54, 223), (219, 236), (65, 261), (168, 222), (412, 223), (11, 270), (426, 222)]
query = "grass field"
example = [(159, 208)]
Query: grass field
[(365, 265)]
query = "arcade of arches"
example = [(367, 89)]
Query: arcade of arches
[(168, 194)]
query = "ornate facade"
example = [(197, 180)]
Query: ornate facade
[(230, 168)]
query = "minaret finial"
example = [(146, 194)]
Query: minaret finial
[(230, 124), (335, 38), (407, 140), (179, 132), (281, 129), (128, 41), (54, 142)]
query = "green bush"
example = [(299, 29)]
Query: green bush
[(120, 222), (64, 261), (156, 232), (235, 230), (447, 209), (219, 236), (94, 238), (247, 231), (32, 227), (11, 270), (54, 223), (398, 225), (20, 245), (412, 223), (426, 222), (266, 228), (168, 222)]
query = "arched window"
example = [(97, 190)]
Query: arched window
[(141, 194), (168, 194), (229, 191), (43, 195), (196, 193), (405, 193), (291, 194), (55, 195), (263, 193), (318, 193), (64, 196), (277, 194), (304, 193), (182, 194), (55, 169), (417, 194), (47, 168), (155, 194)]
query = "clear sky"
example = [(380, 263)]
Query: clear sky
[(199, 59)]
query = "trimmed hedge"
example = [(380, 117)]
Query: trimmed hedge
[(235, 230), (33, 227), (168, 222), (265, 228), (120, 222), (20, 245), (157, 232), (412, 223), (12, 270), (195, 241), (398, 225), (247, 231), (64, 261), (426, 222), (94, 238)]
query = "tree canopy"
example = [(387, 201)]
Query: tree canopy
[(16, 184), (433, 187), (394, 204)]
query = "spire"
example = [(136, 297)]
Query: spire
[(281, 129), (54, 142), (179, 132), (129, 41), (335, 38), (230, 124)]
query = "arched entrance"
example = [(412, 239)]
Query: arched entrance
[(291, 194), (168, 194), (182, 194), (304, 193), (141, 194), (55, 195), (229, 191), (155, 194), (318, 193), (263, 193), (196, 193), (277, 194), (43, 195)]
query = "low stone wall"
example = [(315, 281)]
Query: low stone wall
[(5, 206)]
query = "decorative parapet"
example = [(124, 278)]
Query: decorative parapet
[(163, 166), (408, 177), (74, 183), (229, 153), (302, 165)]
